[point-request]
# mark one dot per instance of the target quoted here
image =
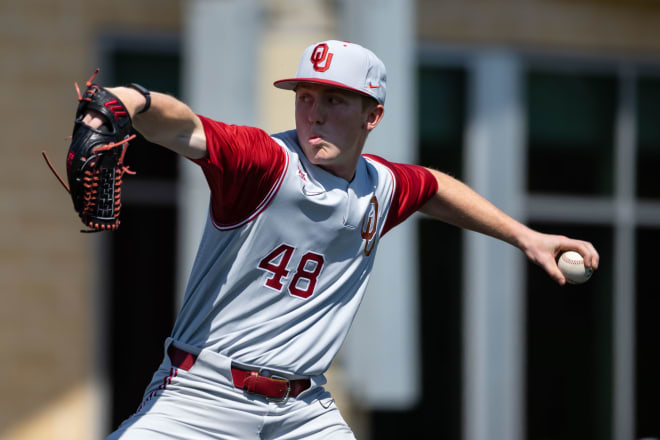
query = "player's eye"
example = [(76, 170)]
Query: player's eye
[(304, 97)]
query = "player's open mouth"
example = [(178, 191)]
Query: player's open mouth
[(315, 140)]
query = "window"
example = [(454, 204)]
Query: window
[(441, 121), (442, 101), (140, 295), (648, 135), (647, 327), (583, 111), (441, 107), (569, 347), (571, 116)]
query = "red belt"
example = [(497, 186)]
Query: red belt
[(253, 382)]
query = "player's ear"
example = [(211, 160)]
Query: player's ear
[(373, 116)]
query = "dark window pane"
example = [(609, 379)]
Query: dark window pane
[(571, 133), (648, 135), (141, 303), (442, 118), (439, 411), (648, 335), (143, 252), (158, 72), (442, 324), (441, 102), (154, 70), (569, 348), (150, 161)]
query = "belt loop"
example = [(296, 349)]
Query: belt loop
[(250, 382), (181, 359)]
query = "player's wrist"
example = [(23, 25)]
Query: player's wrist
[(146, 97), (146, 94), (132, 100), (524, 238)]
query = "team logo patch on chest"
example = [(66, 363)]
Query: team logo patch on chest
[(370, 226)]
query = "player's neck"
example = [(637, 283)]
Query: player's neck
[(346, 173), (345, 166)]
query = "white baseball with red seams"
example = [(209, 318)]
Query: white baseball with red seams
[(571, 265)]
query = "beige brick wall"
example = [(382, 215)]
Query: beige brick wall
[(46, 265), (605, 27)]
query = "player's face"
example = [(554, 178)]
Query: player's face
[(333, 125)]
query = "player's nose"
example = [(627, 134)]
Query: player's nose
[(316, 114)]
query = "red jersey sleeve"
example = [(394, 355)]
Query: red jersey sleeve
[(244, 169), (413, 187)]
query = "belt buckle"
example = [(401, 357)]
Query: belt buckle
[(276, 376)]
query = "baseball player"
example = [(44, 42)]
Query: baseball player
[(293, 226)]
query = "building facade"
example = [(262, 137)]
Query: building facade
[(548, 108)]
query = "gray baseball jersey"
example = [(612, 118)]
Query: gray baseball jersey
[(287, 249)]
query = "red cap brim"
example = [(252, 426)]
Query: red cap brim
[(290, 84)]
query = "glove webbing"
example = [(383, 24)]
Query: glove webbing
[(92, 178)]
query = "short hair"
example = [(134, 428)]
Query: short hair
[(368, 102)]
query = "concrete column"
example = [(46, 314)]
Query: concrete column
[(385, 337), (220, 73), (494, 271), (623, 420)]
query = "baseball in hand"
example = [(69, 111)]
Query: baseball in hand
[(571, 265)]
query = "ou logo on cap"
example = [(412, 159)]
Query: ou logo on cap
[(321, 55)]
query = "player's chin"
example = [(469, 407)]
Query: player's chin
[(320, 155)]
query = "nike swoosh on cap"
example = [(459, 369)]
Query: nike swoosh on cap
[(373, 86)]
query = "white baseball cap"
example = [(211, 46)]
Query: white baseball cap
[(340, 64)]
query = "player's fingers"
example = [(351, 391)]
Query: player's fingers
[(592, 258), (584, 248), (93, 118), (550, 266)]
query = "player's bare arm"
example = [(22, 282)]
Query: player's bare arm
[(457, 204), (168, 121)]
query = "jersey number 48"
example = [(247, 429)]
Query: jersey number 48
[(303, 282)]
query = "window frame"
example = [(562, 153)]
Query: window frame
[(623, 211)]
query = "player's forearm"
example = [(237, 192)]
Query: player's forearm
[(168, 122), (457, 204)]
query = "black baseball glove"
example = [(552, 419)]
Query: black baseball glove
[(95, 160)]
